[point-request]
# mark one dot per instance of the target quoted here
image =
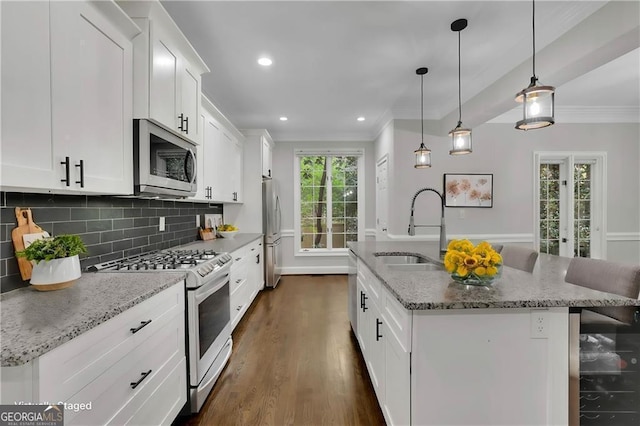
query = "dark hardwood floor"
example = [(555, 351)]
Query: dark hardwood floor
[(295, 362)]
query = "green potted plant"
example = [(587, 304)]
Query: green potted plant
[(55, 261)]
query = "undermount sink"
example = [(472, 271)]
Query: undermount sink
[(402, 262), (411, 267)]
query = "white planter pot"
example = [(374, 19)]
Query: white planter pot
[(55, 274)]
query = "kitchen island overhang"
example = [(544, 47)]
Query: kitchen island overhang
[(473, 355)]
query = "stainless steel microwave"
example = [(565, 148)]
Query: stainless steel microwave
[(164, 163)]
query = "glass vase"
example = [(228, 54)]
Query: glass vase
[(479, 280)]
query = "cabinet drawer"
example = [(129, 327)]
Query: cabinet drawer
[(398, 320), (161, 402), (112, 390), (370, 282), (67, 369), (239, 301)]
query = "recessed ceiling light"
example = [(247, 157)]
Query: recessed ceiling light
[(360, 118), (264, 61), (283, 118)]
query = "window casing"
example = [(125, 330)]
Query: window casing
[(329, 201)]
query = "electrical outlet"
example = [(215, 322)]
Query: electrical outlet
[(161, 224), (539, 324), (197, 221)]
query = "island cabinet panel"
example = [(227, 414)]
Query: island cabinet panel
[(489, 366), (383, 334)]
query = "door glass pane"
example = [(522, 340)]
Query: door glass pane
[(549, 208), (582, 210)]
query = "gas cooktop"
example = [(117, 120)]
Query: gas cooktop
[(201, 264)]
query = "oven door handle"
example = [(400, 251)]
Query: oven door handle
[(208, 289)]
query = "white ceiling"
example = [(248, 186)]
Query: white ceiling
[(337, 60)]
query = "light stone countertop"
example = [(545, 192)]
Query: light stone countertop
[(224, 244), (421, 290), (34, 322)]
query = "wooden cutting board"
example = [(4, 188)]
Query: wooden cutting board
[(26, 227)]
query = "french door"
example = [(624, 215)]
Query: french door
[(570, 205)]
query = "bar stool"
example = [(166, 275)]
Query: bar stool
[(519, 257)]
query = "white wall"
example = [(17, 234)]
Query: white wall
[(283, 161), (508, 154)]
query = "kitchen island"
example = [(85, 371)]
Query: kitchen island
[(439, 352)]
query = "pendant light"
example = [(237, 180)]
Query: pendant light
[(537, 101), (423, 154), (460, 137)]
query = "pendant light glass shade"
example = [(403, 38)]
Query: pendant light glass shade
[(423, 154), (460, 137), (537, 100), (460, 140), (423, 157)]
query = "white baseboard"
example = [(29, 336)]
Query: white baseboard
[(315, 270)]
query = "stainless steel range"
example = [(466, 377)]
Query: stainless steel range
[(208, 325)]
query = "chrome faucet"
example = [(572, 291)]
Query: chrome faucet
[(443, 231)]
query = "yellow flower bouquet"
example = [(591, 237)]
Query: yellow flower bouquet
[(475, 265)]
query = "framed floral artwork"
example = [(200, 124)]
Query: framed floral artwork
[(468, 190)]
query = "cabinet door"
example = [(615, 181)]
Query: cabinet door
[(397, 381), (238, 156), (163, 87), (203, 192), (363, 305), (376, 359), (189, 104), (27, 153), (255, 275), (266, 157), (91, 78)]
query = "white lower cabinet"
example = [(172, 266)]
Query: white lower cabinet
[(245, 279), (388, 357), (131, 369)]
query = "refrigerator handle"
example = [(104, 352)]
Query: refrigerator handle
[(278, 215)]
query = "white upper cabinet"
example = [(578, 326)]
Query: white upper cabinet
[(267, 153), (220, 158), (67, 97), (167, 71)]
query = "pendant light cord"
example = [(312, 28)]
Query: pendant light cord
[(459, 90), (422, 110), (533, 27)]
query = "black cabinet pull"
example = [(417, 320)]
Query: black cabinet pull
[(235, 196), (364, 303), (269, 172), (378, 324), (186, 121), (81, 181), (144, 376), (65, 163), (181, 125), (143, 324), (361, 300), (257, 258)]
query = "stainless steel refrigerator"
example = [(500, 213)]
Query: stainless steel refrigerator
[(271, 220)]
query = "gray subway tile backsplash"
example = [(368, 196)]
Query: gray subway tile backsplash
[(111, 227)]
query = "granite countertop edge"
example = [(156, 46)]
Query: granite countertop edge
[(592, 299), (10, 357)]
